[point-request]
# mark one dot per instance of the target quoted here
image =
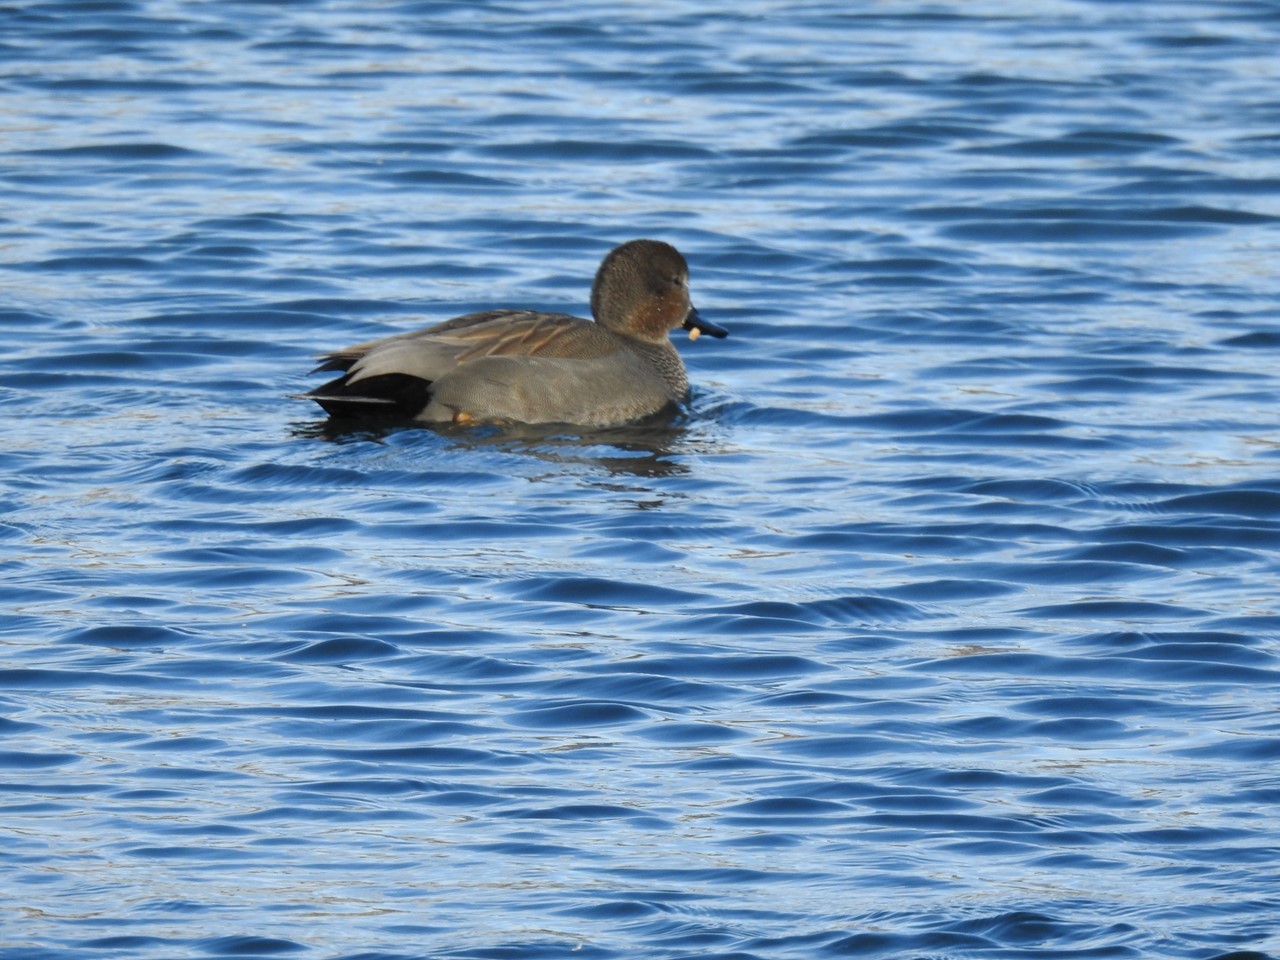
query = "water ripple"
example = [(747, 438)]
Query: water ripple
[(941, 620)]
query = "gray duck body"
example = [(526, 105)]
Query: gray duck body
[(526, 366)]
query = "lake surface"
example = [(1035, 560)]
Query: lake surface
[(945, 621)]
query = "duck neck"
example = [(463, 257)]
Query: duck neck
[(667, 361)]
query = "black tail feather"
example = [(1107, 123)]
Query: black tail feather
[(395, 396)]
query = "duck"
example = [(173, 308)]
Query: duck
[(532, 367)]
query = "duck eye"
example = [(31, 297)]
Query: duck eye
[(677, 281)]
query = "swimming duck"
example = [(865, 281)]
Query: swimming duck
[(525, 366)]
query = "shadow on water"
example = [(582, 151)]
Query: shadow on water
[(647, 448)]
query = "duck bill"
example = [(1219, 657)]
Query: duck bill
[(696, 325)]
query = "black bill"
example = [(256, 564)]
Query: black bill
[(695, 322)]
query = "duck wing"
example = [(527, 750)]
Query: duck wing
[(507, 333)]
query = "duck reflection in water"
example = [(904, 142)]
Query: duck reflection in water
[(653, 447)]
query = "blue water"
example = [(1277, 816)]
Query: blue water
[(944, 623)]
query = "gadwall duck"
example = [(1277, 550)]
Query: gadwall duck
[(528, 367)]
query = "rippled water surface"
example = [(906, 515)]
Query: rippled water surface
[(945, 621)]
